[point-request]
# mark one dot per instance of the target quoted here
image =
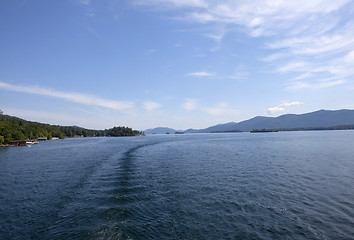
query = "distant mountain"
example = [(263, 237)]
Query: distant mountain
[(161, 130), (318, 119), (217, 128)]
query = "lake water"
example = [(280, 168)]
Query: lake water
[(285, 185)]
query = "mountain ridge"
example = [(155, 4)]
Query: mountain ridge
[(317, 119), (161, 130)]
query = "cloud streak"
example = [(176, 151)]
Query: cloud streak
[(69, 96), (173, 3), (319, 84), (201, 74), (151, 105)]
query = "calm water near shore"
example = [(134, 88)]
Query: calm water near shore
[(285, 185)]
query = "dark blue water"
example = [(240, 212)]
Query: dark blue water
[(286, 185)]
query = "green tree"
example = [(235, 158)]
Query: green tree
[(13, 128)]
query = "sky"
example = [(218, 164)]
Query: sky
[(173, 63)]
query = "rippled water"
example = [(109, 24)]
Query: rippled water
[(286, 185)]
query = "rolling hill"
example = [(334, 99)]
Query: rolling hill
[(161, 130), (317, 119)]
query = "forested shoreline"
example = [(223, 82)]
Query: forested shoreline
[(340, 127), (14, 128)]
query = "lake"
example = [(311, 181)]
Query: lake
[(285, 185)]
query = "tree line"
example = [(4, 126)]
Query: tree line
[(13, 128), (339, 127)]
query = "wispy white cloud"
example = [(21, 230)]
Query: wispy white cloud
[(173, 3), (201, 74), (217, 37), (201, 17), (274, 57), (151, 105), (69, 96), (318, 84), (262, 16), (221, 109), (281, 108), (336, 39), (290, 104), (311, 38), (190, 104), (293, 67), (304, 76)]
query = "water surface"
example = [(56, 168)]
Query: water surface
[(285, 185)]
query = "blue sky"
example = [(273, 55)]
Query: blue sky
[(176, 63)]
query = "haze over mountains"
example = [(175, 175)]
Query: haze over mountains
[(317, 119), (161, 130)]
